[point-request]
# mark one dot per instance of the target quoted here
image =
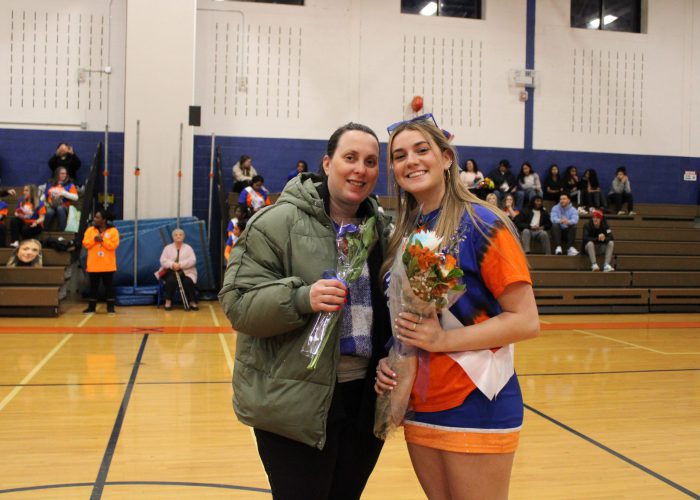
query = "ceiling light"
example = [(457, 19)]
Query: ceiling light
[(595, 23), (429, 10)]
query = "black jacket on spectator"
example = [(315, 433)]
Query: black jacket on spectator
[(523, 219), (71, 162), (555, 184), (590, 232), (498, 178)]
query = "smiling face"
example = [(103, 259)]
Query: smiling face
[(28, 251), (352, 171), (419, 167), (61, 174), (27, 192)]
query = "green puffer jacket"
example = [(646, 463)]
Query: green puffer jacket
[(284, 249)]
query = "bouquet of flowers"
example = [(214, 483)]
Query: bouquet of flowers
[(487, 184), (354, 244), (423, 279)]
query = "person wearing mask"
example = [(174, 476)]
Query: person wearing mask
[(101, 241), (564, 219), (178, 258), (65, 157), (598, 238), (534, 223), (59, 194), (460, 433), (243, 173), (29, 216), (314, 428), (621, 192)]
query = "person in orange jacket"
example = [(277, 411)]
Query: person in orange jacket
[(101, 241)]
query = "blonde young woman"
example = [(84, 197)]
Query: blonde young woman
[(463, 435)]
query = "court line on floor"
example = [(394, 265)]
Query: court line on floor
[(611, 372), (635, 345), (6, 400), (85, 319), (139, 483), (222, 339), (613, 452), (114, 437), (157, 382)]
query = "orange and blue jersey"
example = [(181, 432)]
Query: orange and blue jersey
[(253, 199), (28, 213), (450, 412), (51, 188), (3, 210), (229, 246)]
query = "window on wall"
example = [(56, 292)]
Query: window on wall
[(616, 15), (470, 9)]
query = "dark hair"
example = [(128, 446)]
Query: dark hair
[(54, 177), (567, 175), (476, 167), (62, 144), (564, 193), (105, 213), (306, 166), (621, 169), (532, 200), (592, 178), (257, 178), (243, 159), (521, 175), (335, 139), (505, 163)]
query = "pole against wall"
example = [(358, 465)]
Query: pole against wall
[(211, 186), (179, 178), (105, 172), (137, 173)]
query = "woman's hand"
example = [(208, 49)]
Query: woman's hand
[(327, 295), (386, 378), (175, 266), (424, 333)]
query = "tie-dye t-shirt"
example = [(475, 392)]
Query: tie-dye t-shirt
[(489, 265)]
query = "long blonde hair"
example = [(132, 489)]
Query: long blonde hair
[(456, 200)]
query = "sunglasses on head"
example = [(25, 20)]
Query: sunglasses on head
[(422, 118)]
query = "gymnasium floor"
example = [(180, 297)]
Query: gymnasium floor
[(137, 405)]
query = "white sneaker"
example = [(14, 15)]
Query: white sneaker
[(595, 268), (632, 212), (607, 268), (571, 252), (15, 244), (582, 211), (557, 251), (621, 212)]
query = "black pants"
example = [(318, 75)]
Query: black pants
[(339, 471), (567, 236), (619, 199), (106, 279), (171, 285), (21, 231)]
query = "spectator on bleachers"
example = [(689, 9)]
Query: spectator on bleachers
[(564, 219), (621, 192), (553, 185), (5, 192), (492, 199), (239, 214), (101, 241), (58, 196), (598, 239), (27, 254), (471, 177), (178, 260), (505, 183), (529, 183), (255, 196), (232, 240), (509, 207), (65, 157), (572, 185), (243, 173), (590, 189), (3, 217), (302, 166), (29, 216), (534, 222)]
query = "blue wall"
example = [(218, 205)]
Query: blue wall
[(24, 156)]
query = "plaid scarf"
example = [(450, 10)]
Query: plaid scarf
[(356, 322)]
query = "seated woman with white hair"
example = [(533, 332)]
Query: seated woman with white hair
[(178, 258)]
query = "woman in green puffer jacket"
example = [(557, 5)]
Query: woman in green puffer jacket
[(313, 427)]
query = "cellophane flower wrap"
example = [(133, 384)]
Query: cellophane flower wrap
[(423, 279), (353, 244)]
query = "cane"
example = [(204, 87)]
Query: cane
[(183, 295)]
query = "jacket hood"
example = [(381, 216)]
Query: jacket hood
[(303, 192)]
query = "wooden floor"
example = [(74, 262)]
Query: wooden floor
[(137, 405)]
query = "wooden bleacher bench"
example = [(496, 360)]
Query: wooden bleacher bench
[(29, 300), (665, 279), (630, 233), (580, 279), (657, 263), (40, 276), (596, 300)]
